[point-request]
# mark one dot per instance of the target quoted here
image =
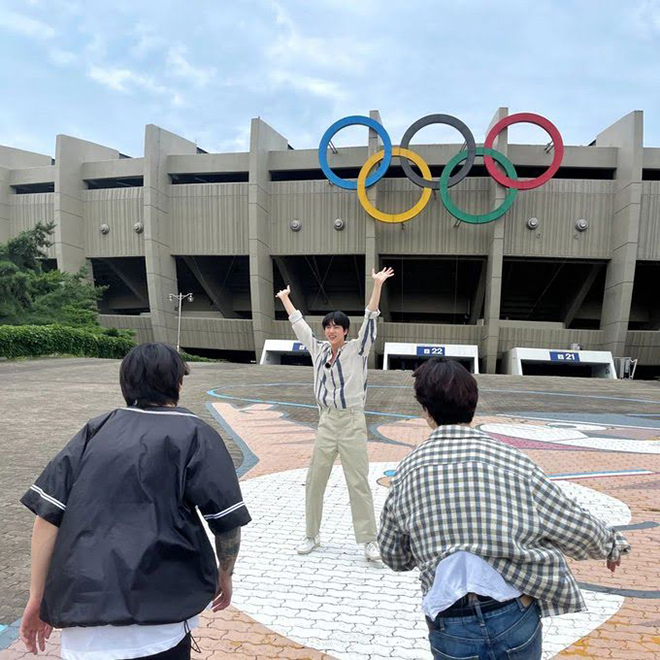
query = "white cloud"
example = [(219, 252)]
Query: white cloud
[(147, 41), (333, 52), (646, 18), (26, 26), (62, 57), (309, 84), (126, 81), (180, 67)]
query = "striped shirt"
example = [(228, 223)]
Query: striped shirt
[(344, 383), (463, 490)]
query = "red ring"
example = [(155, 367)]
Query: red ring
[(531, 118)]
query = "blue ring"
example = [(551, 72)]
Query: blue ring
[(351, 121)]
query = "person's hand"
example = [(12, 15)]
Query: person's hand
[(613, 564), (284, 293), (223, 594), (382, 275), (34, 632)]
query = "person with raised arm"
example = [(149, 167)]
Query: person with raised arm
[(340, 387)]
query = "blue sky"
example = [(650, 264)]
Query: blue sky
[(101, 71)]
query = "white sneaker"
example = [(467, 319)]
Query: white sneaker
[(371, 551), (309, 545)]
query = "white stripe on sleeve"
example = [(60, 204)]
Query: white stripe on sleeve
[(48, 498), (226, 512)]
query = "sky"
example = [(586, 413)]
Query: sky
[(203, 69)]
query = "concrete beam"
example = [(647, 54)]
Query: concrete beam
[(291, 277), (217, 294), (138, 287), (477, 302), (580, 295)]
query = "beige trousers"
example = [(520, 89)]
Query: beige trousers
[(343, 433)]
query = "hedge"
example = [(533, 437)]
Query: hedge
[(35, 340)]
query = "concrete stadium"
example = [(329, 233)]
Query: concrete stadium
[(576, 261)]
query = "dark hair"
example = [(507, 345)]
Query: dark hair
[(338, 318), (447, 390), (151, 375)]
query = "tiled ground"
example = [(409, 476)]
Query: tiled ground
[(600, 438)]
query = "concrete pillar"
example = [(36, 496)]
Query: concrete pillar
[(68, 200), (263, 139), (627, 135), (160, 264), (5, 207), (370, 247), (491, 329)]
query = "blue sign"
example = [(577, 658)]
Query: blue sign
[(564, 356), (297, 346), (431, 351)]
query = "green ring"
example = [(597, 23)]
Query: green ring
[(511, 194)]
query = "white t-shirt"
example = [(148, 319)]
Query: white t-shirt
[(122, 642), (462, 573)]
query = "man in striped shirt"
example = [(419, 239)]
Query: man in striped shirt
[(340, 387)]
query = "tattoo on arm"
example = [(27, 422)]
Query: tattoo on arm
[(227, 546)]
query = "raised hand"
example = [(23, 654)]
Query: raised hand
[(382, 275), (284, 293)]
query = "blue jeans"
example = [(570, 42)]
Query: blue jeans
[(512, 632)]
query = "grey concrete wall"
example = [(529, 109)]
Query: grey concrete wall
[(141, 325), (14, 159), (209, 218), (113, 169), (160, 264), (69, 198), (218, 333), (27, 210), (648, 247), (316, 205), (558, 205), (627, 135), (31, 175), (121, 209)]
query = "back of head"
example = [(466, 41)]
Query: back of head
[(447, 390), (151, 375), (338, 318)]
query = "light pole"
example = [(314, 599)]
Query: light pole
[(180, 297)]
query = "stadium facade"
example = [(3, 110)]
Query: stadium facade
[(576, 261)]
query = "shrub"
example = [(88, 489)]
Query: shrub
[(38, 340)]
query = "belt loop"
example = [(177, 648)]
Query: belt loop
[(440, 623), (474, 601), (520, 604)]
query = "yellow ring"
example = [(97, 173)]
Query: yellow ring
[(393, 217)]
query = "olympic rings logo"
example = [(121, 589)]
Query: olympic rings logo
[(383, 158)]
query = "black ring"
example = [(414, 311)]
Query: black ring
[(439, 119)]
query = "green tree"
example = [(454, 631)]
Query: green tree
[(29, 295)]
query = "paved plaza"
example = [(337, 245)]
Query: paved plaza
[(600, 440)]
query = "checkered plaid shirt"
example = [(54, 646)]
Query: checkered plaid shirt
[(463, 490)]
